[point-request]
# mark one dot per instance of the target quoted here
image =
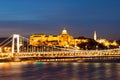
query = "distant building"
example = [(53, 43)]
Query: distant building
[(64, 39), (105, 42)]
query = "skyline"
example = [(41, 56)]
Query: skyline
[(80, 17)]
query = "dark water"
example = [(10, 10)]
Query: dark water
[(59, 71)]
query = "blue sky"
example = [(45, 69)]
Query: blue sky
[(80, 17)]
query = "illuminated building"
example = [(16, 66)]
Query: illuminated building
[(64, 39), (105, 42)]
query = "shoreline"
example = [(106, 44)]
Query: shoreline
[(61, 59)]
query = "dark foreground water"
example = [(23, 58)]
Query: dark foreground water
[(59, 71)]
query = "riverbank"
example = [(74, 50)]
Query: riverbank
[(63, 59)]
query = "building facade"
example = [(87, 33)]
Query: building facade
[(64, 39)]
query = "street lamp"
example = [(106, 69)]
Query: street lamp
[(0, 50), (108, 47), (86, 47), (96, 47)]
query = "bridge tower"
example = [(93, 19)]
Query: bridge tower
[(15, 39)]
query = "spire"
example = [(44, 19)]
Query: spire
[(95, 35), (64, 31)]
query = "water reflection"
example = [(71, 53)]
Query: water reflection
[(59, 71)]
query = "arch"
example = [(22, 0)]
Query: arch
[(15, 37)]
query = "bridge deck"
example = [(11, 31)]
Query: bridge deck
[(81, 53)]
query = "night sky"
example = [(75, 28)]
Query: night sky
[(80, 17)]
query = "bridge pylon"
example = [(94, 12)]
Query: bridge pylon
[(15, 39)]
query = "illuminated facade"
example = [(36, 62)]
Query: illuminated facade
[(64, 39), (104, 41), (107, 42)]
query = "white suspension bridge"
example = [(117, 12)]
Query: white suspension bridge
[(20, 48)]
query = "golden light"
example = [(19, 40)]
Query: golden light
[(5, 48)]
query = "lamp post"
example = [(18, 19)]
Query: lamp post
[(96, 47), (0, 50), (108, 47), (86, 47)]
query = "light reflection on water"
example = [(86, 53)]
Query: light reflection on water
[(59, 71)]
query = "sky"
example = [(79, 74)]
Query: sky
[(79, 17)]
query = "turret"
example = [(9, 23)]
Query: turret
[(95, 36)]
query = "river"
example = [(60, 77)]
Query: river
[(59, 71)]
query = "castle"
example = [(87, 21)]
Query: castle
[(105, 42), (63, 40)]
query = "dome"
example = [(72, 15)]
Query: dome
[(64, 31)]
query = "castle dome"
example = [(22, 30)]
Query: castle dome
[(64, 31)]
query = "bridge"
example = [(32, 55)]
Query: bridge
[(20, 49)]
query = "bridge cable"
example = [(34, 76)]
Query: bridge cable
[(5, 40), (6, 43)]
